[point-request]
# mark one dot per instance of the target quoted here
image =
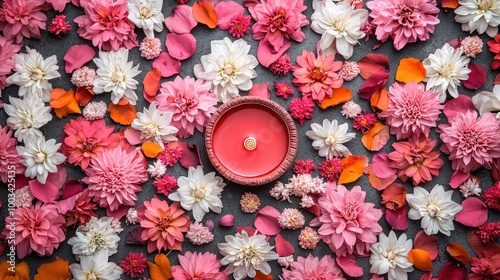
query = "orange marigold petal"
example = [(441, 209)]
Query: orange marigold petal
[(123, 113), (64, 103), (410, 69), (339, 95), (394, 196), (59, 98), (83, 95), (151, 150), (151, 82), (458, 252), (56, 270), (450, 4), (160, 270), (376, 138), (421, 259), (204, 12), (261, 276), (380, 100), (352, 168)]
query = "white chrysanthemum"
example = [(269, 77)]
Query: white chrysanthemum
[(479, 15), (146, 14), (446, 67), (157, 169), (436, 209), (228, 68), (116, 75), (27, 116), (32, 74), (199, 192), (486, 101), (339, 25), (95, 267), (40, 157), (390, 255), (245, 254), (95, 236), (470, 187), (154, 126), (329, 138)]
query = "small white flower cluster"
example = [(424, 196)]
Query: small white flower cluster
[(302, 185)]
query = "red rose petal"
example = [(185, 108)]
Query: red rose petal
[(452, 270), (427, 243), (477, 77), (266, 54), (373, 64), (461, 104), (397, 218)]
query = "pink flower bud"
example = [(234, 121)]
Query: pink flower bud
[(227, 220), (210, 225)]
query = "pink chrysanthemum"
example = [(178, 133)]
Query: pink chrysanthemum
[(405, 21), (471, 142), (82, 212), (39, 229), (199, 234), (22, 18), (484, 269), (364, 122), (491, 197), (472, 46), (304, 166), (301, 109), (330, 169), (150, 48), (170, 156), (308, 238), (316, 77), (162, 224), (350, 109), (24, 198), (283, 89), (416, 160), (106, 23), (312, 268), (95, 111), (349, 225), (7, 51), (11, 163), (83, 140), (190, 101), (349, 71), (200, 266), (412, 110), (114, 176), (249, 202), (291, 218), (488, 232), (59, 26), (281, 66), (239, 25), (134, 264), (83, 77), (165, 184)]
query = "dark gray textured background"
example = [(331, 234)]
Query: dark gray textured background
[(445, 31)]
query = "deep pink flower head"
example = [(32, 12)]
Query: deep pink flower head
[(83, 140), (10, 160), (38, 229), (316, 77), (349, 225), (198, 266), (301, 109), (471, 142), (7, 51), (22, 18), (405, 21), (114, 176), (484, 269), (312, 268), (412, 110), (190, 101), (134, 264), (106, 23), (59, 26)]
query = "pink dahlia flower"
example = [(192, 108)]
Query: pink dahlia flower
[(83, 140), (416, 160), (349, 225), (162, 224), (199, 266), (405, 21), (191, 103), (7, 51), (114, 176), (38, 229), (412, 110), (312, 268), (22, 18), (11, 163), (471, 142), (316, 77), (106, 23)]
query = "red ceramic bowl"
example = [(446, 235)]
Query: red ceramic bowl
[(251, 141)]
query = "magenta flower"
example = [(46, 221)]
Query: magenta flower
[(405, 21), (106, 23), (10, 160), (313, 268), (22, 18), (471, 142), (200, 266), (301, 109), (7, 51)]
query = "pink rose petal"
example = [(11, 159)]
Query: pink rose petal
[(473, 214), (373, 65), (397, 218), (455, 43), (58, 5), (260, 90), (461, 104), (167, 65), (190, 154), (266, 221), (266, 54), (21, 181), (372, 84), (67, 204), (133, 136), (427, 243), (248, 229), (452, 270), (118, 213), (181, 20), (381, 168), (227, 220), (71, 188), (426, 276), (283, 247), (147, 97), (225, 12), (349, 266), (134, 236), (47, 192), (181, 46), (77, 56), (458, 178)]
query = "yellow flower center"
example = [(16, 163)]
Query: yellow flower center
[(39, 157)]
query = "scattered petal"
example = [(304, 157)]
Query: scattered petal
[(65, 205), (167, 65), (225, 12), (47, 192), (394, 196), (260, 90), (349, 265), (261, 276), (71, 188), (410, 69), (339, 95), (473, 214), (428, 243), (380, 100), (118, 213), (377, 182), (181, 20), (373, 64), (77, 56), (204, 12), (160, 270), (458, 252), (123, 113), (352, 168), (376, 137), (380, 166), (397, 218), (190, 154), (134, 236), (477, 77), (420, 259), (461, 104), (83, 95), (56, 270), (482, 250), (283, 247), (133, 136), (449, 4), (458, 178), (151, 150), (266, 54), (227, 220), (181, 46), (151, 82), (266, 221), (64, 102), (376, 82), (452, 270)]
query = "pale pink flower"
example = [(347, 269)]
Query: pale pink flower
[(249, 202), (472, 46), (22, 18), (11, 163), (150, 48), (199, 234), (316, 77), (200, 266), (285, 261), (106, 23), (471, 142), (349, 225), (95, 111), (162, 224), (24, 198), (350, 109), (308, 238), (7, 51), (312, 268), (83, 77), (191, 103), (412, 110), (349, 70), (291, 218), (114, 176), (405, 21)]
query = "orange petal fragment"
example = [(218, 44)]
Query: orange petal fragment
[(151, 150), (151, 82), (204, 12), (22, 271), (160, 270), (450, 4), (261, 276), (380, 100), (56, 270), (458, 252), (420, 259), (83, 95), (352, 168), (123, 113), (394, 196), (339, 95), (410, 69), (64, 102), (376, 138)]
